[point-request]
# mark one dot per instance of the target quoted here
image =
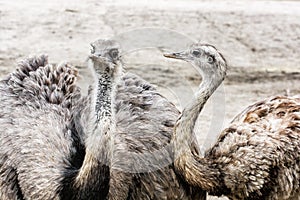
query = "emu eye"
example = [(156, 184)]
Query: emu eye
[(196, 53), (114, 53), (210, 59)]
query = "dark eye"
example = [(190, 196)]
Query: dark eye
[(114, 53), (196, 53), (210, 59)]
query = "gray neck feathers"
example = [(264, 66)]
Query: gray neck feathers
[(103, 111), (105, 92), (187, 159), (186, 123), (103, 107), (99, 141)]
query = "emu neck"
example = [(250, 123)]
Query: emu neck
[(195, 170), (94, 173), (99, 138), (104, 95), (103, 107), (186, 123)]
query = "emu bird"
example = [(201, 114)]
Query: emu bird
[(256, 157), (108, 70), (56, 144), (141, 159), (95, 117)]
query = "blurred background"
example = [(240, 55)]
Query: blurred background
[(259, 39)]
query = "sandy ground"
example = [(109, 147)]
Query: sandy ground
[(260, 39)]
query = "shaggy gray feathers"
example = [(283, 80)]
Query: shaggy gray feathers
[(35, 141), (36, 82), (40, 105), (143, 154)]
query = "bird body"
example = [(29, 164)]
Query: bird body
[(42, 153), (54, 144), (259, 151), (256, 157), (143, 154), (35, 140)]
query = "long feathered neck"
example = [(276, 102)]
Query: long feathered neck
[(94, 172), (103, 110), (187, 161), (103, 114), (104, 94), (103, 107)]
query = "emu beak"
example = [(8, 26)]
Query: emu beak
[(180, 55), (95, 56)]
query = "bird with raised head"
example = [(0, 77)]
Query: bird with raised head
[(256, 157), (141, 129), (114, 143), (95, 121)]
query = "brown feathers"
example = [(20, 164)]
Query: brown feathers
[(256, 157), (258, 154), (277, 114)]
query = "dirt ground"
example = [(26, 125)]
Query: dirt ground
[(259, 39)]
